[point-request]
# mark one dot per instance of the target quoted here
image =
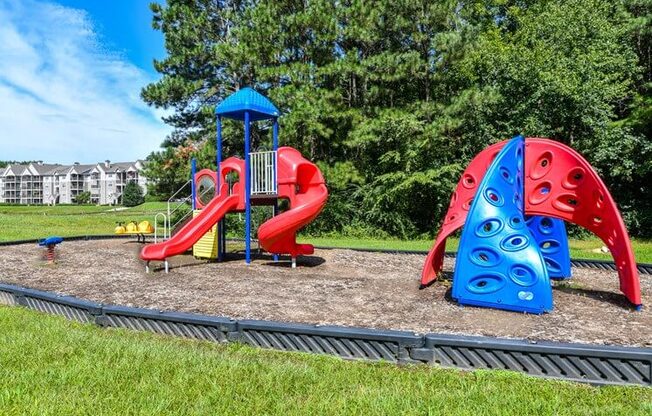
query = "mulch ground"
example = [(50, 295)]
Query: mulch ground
[(332, 287)]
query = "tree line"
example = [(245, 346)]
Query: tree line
[(392, 98)]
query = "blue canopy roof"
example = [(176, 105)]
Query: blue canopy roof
[(247, 99)]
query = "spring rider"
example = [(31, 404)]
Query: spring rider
[(50, 243)]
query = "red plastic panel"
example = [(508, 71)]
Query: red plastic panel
[(560, 183), (458, 209), (200, 176), (228, 165)]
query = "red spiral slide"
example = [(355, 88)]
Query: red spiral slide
[(300, 181)]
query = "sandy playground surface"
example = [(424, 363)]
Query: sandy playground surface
[(332, 287)]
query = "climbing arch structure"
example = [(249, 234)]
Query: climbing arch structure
[(559, 185)]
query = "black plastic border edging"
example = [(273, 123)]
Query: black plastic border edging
[(67, 306), (207, 328), (70, 238), (597, 364), (346, 342), (593, 364), (643, 268)]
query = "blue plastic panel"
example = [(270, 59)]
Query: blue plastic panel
[(499, 264), (247, 100), (550, 235), (50, 241)]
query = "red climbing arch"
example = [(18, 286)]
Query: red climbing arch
[(560, 183), (458, 209)]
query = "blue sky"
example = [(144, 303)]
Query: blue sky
[(70, 78), (125, 27)]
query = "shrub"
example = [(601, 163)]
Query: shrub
[(133, 195), (83, 198)]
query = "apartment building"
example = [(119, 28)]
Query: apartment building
[(51, 184)]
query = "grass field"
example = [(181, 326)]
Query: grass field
[(23, 222), (26, 222), (49, 366)]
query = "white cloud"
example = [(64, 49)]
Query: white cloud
[(63, 96)]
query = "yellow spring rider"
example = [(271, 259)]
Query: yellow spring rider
[(139, 229)]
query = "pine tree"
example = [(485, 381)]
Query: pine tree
[(132, 195), (394, 97)]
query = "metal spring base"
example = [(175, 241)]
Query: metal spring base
[(49, 254)]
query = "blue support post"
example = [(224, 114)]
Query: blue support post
[(247, 191), (193, 185), (218, 153), (275, 148), (220, 225), (275, 135)]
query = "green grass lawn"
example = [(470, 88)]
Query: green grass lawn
[(32, 222), (49, 366), (26, 222)]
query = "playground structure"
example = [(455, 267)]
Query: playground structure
[(50, 244), (512, 200), (262, 179), (505, 259)]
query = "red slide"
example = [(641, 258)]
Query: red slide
[(302, 183), (193, 230)]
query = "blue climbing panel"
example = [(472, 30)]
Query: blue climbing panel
[(499, 264), (550, 235)]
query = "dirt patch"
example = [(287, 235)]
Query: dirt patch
[(333, 287)]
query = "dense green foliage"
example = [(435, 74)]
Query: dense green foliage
[(393, 98), (132, 195), (49, 366)]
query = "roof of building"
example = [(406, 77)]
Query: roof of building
[(45, 168), (118, 166), (49, 169), (80, 169), (14, 169)]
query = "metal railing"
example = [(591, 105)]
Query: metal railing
[(262, 168), (180, 202), (165, 221), (174, 206)]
